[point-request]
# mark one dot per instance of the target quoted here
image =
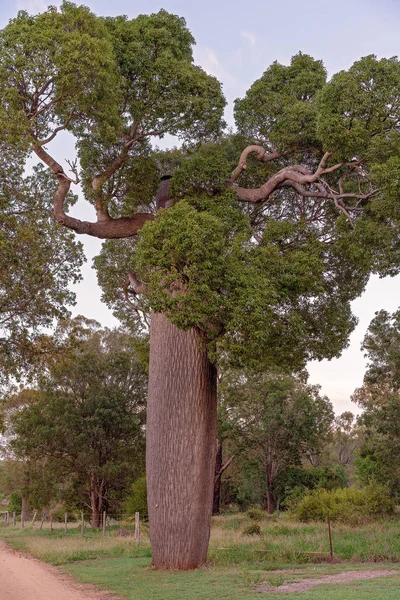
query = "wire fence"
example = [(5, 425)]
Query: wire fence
[(123, 523)]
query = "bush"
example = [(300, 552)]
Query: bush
[(348, 505), (137, 501), (253, 529), (255, 514), (15, 503)]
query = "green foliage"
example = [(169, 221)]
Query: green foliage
[(38, 68), (281, 420), (382, 347), (368, 469), (292, 484), (85, 420), (280, 106), (38, 263), (348, 505), (253, 529), (137, 501), (380, 398), (255, 514), (356, 109), (183, 257), (161, 86), (15, 503)]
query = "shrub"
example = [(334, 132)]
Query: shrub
[(15, 503), (137, 501), (348, 505), (255, 514), (253, 529)]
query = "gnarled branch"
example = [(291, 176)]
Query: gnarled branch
[(298, 177), (105, 229)]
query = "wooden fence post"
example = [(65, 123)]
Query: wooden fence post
[(83, 524), (137, 528), (65, 522), (34, 518), (7, 519), (22, 519), (42, 520), (51, 522), (14, 519)]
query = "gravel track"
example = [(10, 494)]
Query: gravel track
[(25, 578)]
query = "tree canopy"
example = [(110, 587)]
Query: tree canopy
[(38, 263), (379, 396), (317, 208)]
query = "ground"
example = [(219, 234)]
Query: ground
[(25, 578)]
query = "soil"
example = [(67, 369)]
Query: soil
[(308, 584), (25, 578)]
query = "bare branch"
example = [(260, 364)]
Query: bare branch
[(224, 467), (57, 129)]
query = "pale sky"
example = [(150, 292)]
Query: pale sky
[(236, 42)]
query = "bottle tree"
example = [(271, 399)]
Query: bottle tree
[(254, 249)]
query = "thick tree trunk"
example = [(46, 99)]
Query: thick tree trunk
[(180, 450), (24, 509), (217, 480)]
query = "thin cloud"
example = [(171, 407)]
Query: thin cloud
[(251, 38), (33, 6), (208, 60)]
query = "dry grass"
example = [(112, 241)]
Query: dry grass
[(281, 541)]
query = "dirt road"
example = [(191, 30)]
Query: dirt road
[(25, 578)]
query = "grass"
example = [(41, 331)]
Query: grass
[(134, 580), (285, 551)]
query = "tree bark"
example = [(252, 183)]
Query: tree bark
[(217, 480), (180, 452)]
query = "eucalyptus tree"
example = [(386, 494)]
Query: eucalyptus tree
[(282, 421), (379, 396), (257, 273)]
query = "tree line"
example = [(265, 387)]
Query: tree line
[(75, 440)]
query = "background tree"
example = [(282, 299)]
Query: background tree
[(260, 273), (85, 422), (282, 419), (380, 398)]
